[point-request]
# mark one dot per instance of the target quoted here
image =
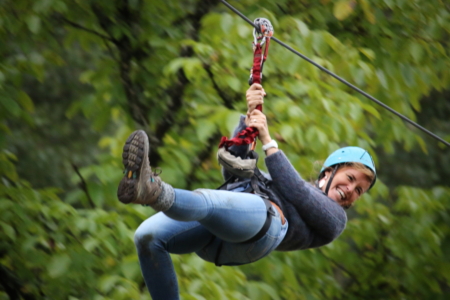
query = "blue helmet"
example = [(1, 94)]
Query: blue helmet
[(351, 154)]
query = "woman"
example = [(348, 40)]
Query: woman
[(221, 226)]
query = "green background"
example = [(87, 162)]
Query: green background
[(78, 76)]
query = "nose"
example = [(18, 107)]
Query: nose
[(351, 187)]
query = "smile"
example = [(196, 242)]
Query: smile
[(341, 193)]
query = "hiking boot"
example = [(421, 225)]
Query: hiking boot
[(139, 185)]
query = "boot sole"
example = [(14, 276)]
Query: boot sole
[(134, 159)]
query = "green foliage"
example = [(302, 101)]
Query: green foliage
[(76, 78)]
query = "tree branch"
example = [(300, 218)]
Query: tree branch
[(127, 53), (78, 26), (176, 91), (226, 100), (341, 267), (176, 95), (83, 185)]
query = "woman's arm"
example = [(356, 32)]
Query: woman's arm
[(321, 214)]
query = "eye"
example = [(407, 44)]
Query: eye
[(350, 178), (359, 191)]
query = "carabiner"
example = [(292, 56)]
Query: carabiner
[(263, 30)]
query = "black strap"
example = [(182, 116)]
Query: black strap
[(330, 180), (261, 177), (260, 234), (224, 185), (266, 226), (219, 250)]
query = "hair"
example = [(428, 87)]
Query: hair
[(370, 175)]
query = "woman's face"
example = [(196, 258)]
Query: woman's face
[(347, 185)]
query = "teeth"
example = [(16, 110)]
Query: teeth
[(341, 194)]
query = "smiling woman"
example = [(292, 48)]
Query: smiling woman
[(347, 174), (247, 218), (350, 181)]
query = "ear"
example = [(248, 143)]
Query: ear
[(324, 180), (321, 183), (326, 174)]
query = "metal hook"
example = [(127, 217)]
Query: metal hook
[(263, 30)]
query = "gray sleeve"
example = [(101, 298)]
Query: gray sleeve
[(324, 217), (238, 151)]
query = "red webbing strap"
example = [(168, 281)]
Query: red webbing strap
[(256, 72), (245, 137), (257, 63), (248, 135)]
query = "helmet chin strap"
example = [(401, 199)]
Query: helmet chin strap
[(330, 180)]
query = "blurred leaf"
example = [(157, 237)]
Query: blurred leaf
[(8, 230), (303, 28), (368, 53), (58, 265), (107, 282), (233, 83), (368, 12), (382, 78), (416, 51), (25, 101), (34, 23), (10, 105), (370, 109), (343, 8)]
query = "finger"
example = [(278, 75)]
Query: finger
[(254, 102), (260, 127), (258, 118), (254, 95), (256, 114), (259, 94), (256, 86), (256, 124)]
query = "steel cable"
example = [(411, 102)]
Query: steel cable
[(342, 80)]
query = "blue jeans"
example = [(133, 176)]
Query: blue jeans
[(197, 222)]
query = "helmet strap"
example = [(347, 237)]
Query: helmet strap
[(331, 179)]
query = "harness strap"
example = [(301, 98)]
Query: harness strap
[(224, 185), (330, 180), (265, 32), (252, 188), (258, 61), (266, 226), (219, 250), (260, 234)]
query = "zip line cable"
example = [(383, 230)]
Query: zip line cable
[(341, 79)]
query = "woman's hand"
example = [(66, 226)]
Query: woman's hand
[(255, 96), (255, 118), (258, 120)]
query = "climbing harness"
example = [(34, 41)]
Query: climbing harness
[(258, 185), (342, 80)]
